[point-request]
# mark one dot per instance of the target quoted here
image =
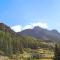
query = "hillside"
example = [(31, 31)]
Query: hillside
[(13, 44), (41, 33)]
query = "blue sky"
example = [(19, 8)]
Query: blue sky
[(27, 12)]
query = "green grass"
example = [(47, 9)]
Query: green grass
[(27, 55)]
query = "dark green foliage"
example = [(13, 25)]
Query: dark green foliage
[(57, 52), (12, 44)]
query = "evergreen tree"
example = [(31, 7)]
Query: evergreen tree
[(57, 52)]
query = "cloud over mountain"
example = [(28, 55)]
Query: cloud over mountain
[(18, 28)]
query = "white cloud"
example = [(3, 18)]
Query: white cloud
[(40, 24), (16, 28), (32, 25), (27, 27)]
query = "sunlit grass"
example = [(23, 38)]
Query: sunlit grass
[(27, 56)]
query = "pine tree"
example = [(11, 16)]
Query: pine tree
[(57, 52)]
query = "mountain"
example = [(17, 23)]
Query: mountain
[(6, 28), (41, 33), (36, 32)]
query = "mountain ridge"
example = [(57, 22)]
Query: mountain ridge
[(41, 33), (36, 32)]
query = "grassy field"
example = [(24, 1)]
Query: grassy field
[(28, 55)]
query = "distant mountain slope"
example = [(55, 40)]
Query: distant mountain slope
[(5, 28), (41, 33)]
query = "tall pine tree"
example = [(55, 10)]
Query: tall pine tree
[(57, 52)]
